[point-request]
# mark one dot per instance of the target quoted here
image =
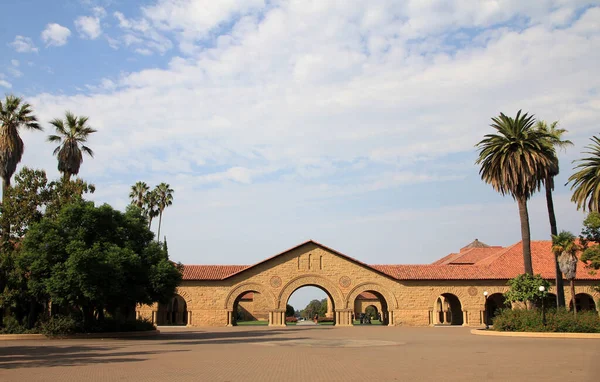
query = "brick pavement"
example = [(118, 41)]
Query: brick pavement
[(303, 353)]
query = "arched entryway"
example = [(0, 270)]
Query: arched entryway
[(314, 305), (249, 303), (172, 313), (375, 295), (494, 303), (583, 302), (448, 310)]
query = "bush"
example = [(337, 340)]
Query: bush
[(60, 325), (520, 320), (325, 319), (291, 319), (12, 326)]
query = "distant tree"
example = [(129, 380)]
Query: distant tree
[(564, 243), (586, 181), (289, 311), (151, 206), (164, 193), (71, 135), (554, 139), (138, 194), (515, 161), (590, 240), (14, 114)]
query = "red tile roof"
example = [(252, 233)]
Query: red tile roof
[(479, 263), (367, 296)]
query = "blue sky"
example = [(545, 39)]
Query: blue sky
[(352, 124)]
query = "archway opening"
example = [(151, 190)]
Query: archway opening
[(370, 308), (172, 313), (448, 310), (250, 308), (583, 302), (494, 304), (312, 305)]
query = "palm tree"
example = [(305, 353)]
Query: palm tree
[(165, 198), (138, 194), (71, 134), (554, 139), (564, 244), (586, 181), (14, 113), (151, 206), (515, 161)]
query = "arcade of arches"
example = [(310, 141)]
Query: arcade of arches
[(447, 292)]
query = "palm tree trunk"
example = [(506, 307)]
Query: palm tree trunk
[(149, 221), (525, 235), (560, 288), (159, 223), (573, 297)]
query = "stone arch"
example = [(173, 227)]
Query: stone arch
[(448, 309), (462, 297), (310, 280), (248, 287), (584, 302), (185, 295), (369, 286)]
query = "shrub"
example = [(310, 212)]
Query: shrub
[(60, 325), (325, 319), (12, 326), (519, 320), (291, 319)]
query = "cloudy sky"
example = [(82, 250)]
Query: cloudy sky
[(352, 123)]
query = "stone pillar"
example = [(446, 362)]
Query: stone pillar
[(465, 318), (270, 318), (329, 313), (230, 318), (390, 317), (189, 320), (154, 317), (343, 317)]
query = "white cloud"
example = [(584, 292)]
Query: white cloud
[(23, 45), (4, 83), (14, 63), (144, 51), (99, 12), (55, 35), (292, 123), (88, 27)]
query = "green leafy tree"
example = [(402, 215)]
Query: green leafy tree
[(95, 260), (14, 114), (554, 134), (525, 288), (71, 135), (289, 310), (64, 192), (138, 194), (515, 161), (564, 244), (164, 194), (590, 234)]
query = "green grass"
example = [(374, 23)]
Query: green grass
[(373, 322), (252, 323), (326, 323)]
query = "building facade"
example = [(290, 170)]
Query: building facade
[(448, 292)]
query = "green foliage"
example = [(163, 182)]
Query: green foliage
[(519, 320), (60, 325), (590, 234), (525, 288), (97, 259), (11, 325), (289, 310), (586, 180), (371, 311)]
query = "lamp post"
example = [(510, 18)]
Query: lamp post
[(542, 289), (485, 310)]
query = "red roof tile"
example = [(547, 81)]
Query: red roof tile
[(489, 263), (367, 296)]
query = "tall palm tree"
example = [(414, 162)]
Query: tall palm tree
[(14, 113), (71, 134), (564, 244), (515, 161), (586, 181), (138, 194), (554, 139), (151, 206), (165, 199)]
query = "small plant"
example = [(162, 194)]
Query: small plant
[(291, 319), (60, 326), (519, 320)]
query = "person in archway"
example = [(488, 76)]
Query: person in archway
[(316, 318)]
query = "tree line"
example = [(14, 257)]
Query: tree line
[(520, 158), (67, 265)]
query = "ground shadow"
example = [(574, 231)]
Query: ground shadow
[(13, 357)]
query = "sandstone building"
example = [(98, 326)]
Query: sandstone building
[(448, 291)]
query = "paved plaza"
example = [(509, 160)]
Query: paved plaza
[(301, 354)]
